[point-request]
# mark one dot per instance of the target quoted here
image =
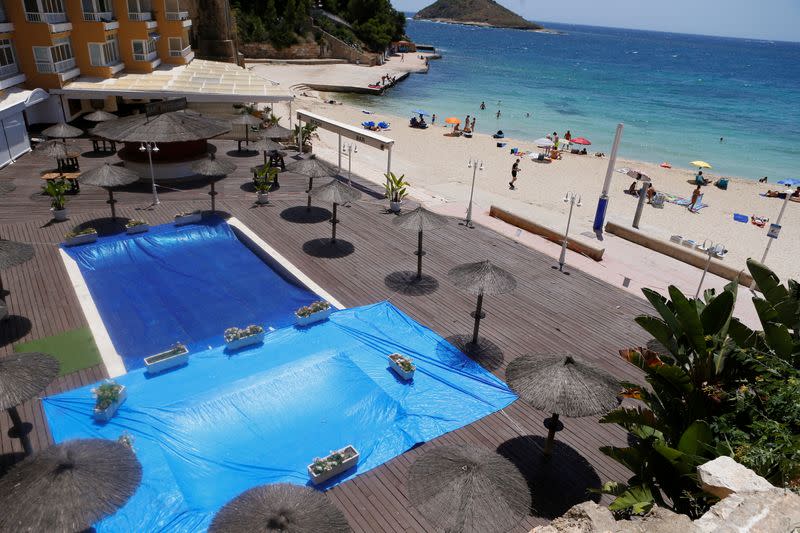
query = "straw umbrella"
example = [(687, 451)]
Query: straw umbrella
[(276, 131), (335, 192), (109, 176), (481, 278), (7, 186), (271, 147), (213, 168), (466, 488), (53, 148), (174, 126), (312, 168), (68, 487), (420, 219), (100, 116), (22, 377), (562, 385), (280, 507), (247, 120), (13, 253), (62, 130)]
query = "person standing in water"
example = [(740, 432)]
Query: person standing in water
[(498, 113), (514, 171), (483, 106)]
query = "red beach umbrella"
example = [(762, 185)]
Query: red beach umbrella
[(581, 140)]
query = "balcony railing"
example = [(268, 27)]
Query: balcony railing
[(141, 17), (179, 53), (50, 18), (98, 16), (177, 15), (9, 70), (54, 68), (151, 56)]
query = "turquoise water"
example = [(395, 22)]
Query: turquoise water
[(677, 94)]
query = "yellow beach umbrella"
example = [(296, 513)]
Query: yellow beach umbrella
[(701, 164), (452, 120)]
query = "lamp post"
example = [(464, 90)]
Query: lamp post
[(151, 147), (712, 250), (777, 223), (475, 165), (569, 198), (349, 149)]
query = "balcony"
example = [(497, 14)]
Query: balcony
[(8, 70), (145, 57), (57, 67), (177, 15), (6, 27), (98, 16), (140, 17), (180, 53), (49, 18)]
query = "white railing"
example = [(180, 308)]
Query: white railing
[(145, 57), (179, 53), (177, 15), (98, 16), (9, 70), (50, 18), (141, 17), (53, 68)]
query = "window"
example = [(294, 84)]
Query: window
[(104, 54), (144, 50), (97, 10), (56, 58), (8, 64), (175, 46)]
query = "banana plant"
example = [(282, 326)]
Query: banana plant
[(396, 187)]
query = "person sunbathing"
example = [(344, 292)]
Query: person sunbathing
[(775, 194)]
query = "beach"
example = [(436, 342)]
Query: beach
[(435, 165)]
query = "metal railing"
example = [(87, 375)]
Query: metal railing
[(53, 68), (177, 15), (9, 70), (141, 17), (179, 53), (150, 56), (50, 18), (98, 16)]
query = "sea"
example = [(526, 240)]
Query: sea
[(734, 103)]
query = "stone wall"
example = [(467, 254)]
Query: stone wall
[(329, 47), (749, 504)]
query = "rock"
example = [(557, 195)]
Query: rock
[(723, 476), (773, 511), (586, 517)]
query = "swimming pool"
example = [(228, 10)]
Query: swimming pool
[(184, 284)]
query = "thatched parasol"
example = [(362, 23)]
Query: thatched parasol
[(6, 186), (481, 278), (562, 385), (68, 487), (175, 126), (337, 193), (13, 253), (247, 120), (100, 116), (465, 488), (271, 148), (53, 148), (277, 131), (22, 377), (62, 130), (418, 220), (312, 168), (212, 167), (280, 507), (109, 176)]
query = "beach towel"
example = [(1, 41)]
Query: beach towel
[(684, 202), (740, 218)]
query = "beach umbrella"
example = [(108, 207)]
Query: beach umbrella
[(467, 488), (789, 182), (562, 385), (271, 147), (100, 116), (109, 176), (69, 486), (544, 142), (53, 148), (247, 120), (22, 377), (583, 141), (277, 131), (701, 164), (280, 507), (174, 126), (481, 278), (312, 168), (212, 167), (6, 186), (336, 193), (62, 130), (420, 112), (452, 120), (13, 253), (418, 220)]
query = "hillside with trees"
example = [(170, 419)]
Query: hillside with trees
[(371, 24), (475, 12)]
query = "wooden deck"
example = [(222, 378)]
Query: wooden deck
[(549, 312)]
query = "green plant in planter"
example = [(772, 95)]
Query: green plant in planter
[(265, 177), (106, 394), (57, 191), (308, 131), (396, 187)]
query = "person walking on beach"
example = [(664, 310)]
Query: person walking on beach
[(514, 171), (568, 136), (695, 195), (555, 140), (433, 119), (466, 122), (473, 124), (402, 58)]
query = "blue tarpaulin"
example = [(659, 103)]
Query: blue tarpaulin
[(225, 423), (183, 284)]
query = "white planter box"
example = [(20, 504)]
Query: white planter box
[(81, 239), (139, 228), (263, 198), (187, 219), (398, 370), (59, 214), (319, 316), (246, 341), (394, 207), (108, 413), (159, 363), (346, 465)]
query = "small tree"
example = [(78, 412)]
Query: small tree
[(396, 187)]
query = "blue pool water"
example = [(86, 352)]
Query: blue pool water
[(223, 424), (677, 94), (183, 284)]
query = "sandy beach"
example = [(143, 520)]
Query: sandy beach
[(436, 166)]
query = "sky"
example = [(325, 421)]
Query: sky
[(759, 19)]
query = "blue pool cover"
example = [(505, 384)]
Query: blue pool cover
[(183, 284), (227, 422)]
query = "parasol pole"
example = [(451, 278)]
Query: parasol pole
[(111, 202), (478, 314), (602, 203), (420, 253), (20, 430), (333, 224)]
